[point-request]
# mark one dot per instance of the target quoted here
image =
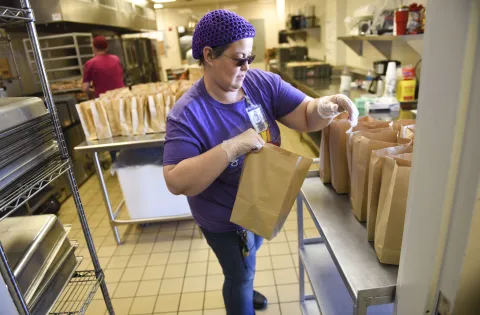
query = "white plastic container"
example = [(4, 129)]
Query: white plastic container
[(146, 193)]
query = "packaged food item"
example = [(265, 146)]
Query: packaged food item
[(392, 206), (126, 116), (113, 115), (138, 117), (363, 143), (406, 90), (100, 120), (269, 184), (375, 180), (86, 118)]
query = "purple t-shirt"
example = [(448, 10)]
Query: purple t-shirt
[(198, 123)]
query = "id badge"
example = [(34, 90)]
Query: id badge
[(257, 118)]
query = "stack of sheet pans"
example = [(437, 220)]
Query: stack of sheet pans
[(26, 140), (41, 257)]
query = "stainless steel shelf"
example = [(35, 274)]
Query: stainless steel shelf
[(78, 294), (13, 16), (30, 185), (123, 142), (330, 292), (310, 307), (383, 43), (366, 280), (66, 79), (54, 48)]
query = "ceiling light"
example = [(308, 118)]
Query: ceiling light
[(158, 6), (163, 1), (141, 3)]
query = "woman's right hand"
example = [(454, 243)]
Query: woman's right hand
[(240, 145)]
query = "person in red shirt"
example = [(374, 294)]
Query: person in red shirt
[(104, 70)]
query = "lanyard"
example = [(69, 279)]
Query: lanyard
[(256, 115)]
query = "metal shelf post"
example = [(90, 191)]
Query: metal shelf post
[(25, 15)]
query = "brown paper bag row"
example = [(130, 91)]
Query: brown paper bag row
[(269, 184), (392, 206), (139, 115)]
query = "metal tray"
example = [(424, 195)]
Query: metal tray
[(54, 284), (17, 168), (18, 110), (32, 245)]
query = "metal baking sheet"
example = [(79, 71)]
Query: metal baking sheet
[(21, 147), (32, 245), (18, 110), (16, 169)]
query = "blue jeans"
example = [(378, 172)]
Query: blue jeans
[(238, 270)]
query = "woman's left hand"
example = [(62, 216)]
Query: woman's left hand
[(329, 107)]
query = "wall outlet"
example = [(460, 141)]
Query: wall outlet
[(444, 306)]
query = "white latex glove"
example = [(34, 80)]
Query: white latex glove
[(245, 142), (328, 107)]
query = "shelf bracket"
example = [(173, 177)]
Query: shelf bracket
[(383, 46), (355, 45), (415, 42)]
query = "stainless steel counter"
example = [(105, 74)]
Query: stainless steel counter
[(367, 281), (116, 144)]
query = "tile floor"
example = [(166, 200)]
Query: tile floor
[(168, 268)]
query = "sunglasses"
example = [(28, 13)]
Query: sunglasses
[(242, 61)]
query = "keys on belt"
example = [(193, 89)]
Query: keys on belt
[(243, 239)]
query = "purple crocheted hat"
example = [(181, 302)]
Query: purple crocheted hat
[(218, 28)]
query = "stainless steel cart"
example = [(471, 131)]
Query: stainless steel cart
[(83, 284), (342, 266), (116, 144)]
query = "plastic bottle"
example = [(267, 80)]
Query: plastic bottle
[(345, 81)]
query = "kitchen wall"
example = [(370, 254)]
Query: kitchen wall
[(169, 19), (316, 47)]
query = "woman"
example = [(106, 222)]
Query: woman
[(211, 128)]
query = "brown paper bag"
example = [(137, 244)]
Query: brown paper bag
[(138, 114), (407, 132), (324, 165), (392, 205), (370, 124), (364, 142), (375, 180), (86, 119), (112, 109), (100, 120), (154, 121), (338, 155), (126, 116), (269, 184), (398, 124)]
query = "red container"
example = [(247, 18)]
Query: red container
[(401, 19)]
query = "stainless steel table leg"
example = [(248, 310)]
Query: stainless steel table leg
[(301, 268), (106, 199), (361, 307)]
